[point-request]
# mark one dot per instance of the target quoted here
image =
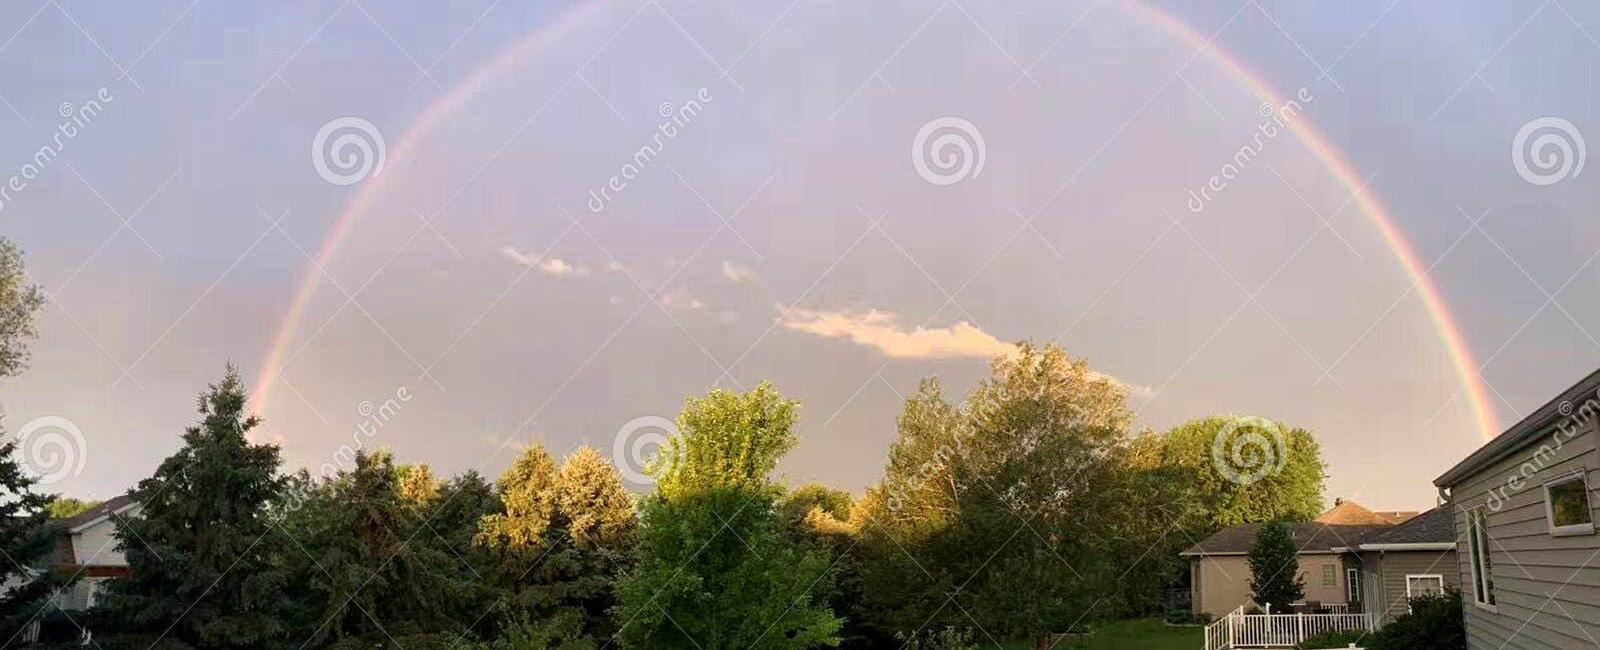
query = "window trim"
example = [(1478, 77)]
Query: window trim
[(1352, 587), (1410, 576), (1330, 575), (1478, 558), (1581, 476)]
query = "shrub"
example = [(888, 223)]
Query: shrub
[(1339, 639), (1435, 623), (949, 638)]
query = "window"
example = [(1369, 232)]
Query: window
[(1478, 557), (1352, 585), (1566, 504), (1330, 575), (1424, 585)]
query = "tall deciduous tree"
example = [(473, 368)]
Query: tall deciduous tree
[(1008, 503), (1275, 567), (25, 539), (198, 552), (716, 570)]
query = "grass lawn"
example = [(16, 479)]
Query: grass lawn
[(1142, 634)]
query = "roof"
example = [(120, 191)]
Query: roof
[(1436, 526), (111, 506), (1309, 536), (1350, 513), (1522, 433)]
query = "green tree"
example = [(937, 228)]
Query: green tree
[(19, 302), (1010, 503), (715, 568), (557, 547), (68, 507), (1275, 567), (25, 537), (199, 561), (369, 568)]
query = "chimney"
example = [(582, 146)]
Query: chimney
[(1337, 501)]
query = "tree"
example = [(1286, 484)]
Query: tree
[(68, 507), (199, 561), (558, 547), (715, 568), (1275, 567), (369, 569), (25, 536), (1010, 503), (19, 302)]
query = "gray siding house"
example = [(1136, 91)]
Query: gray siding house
[(1524, 512), (1394, 565)]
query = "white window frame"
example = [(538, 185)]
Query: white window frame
[(1352, 587), (1587, 528), (1435, 576), (1477, 557)]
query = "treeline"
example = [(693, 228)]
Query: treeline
[(1025, 509)]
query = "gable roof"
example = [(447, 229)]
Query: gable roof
[(1526, 431), (1309, 537), (1350, 513), (1436, 526), (112, 506)]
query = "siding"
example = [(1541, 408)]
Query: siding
[(1392, 567), (1544, 586), (1222, 582)]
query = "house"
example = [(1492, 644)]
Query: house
[(1333, 566), (1524, 512), (1388, 567), (87, 553)]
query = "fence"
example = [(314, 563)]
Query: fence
[(1241, 630)]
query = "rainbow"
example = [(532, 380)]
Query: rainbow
[(540, 39)]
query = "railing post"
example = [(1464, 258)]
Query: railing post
[(1299, 627)]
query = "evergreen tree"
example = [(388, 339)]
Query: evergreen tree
[(370, 569), (25, 537), (198, 551), (716, 570), (1275, 568)]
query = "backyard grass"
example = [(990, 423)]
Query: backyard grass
[(1141, 634)]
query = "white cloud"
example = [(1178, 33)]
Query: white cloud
[(680, 298), (551, 266), (882, 330), (737, 273)]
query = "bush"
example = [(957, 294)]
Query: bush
[(1435, 623), (1339, 639), (1186, 617), (949, 638)]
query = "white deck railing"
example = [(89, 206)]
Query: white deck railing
[(1241, 630)]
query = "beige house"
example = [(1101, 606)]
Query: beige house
[(1524, 512), (1219, 570)]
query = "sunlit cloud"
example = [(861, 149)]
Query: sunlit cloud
[(737, 273), (680, 298), (551, 266)]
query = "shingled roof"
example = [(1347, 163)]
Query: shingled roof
[(1436, 526), (1309, 537)]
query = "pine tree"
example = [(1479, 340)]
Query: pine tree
[(26, 538), (199, 553), (1275, 567)]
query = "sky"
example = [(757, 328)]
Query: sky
[(430, 226)]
